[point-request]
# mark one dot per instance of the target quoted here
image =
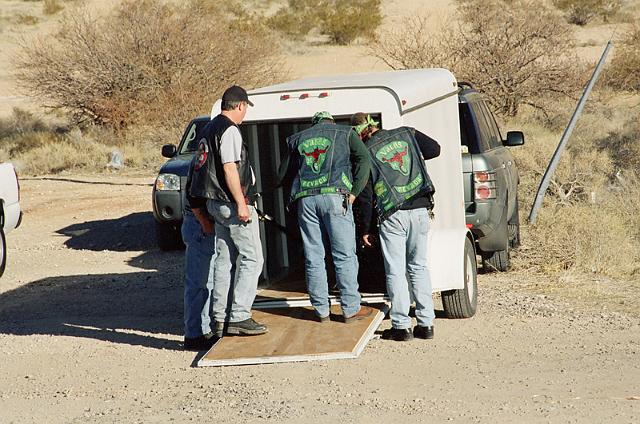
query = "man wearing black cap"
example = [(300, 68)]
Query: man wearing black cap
[(223, 175)]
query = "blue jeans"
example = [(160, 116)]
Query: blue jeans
[(239, 245), (324, 217), (403, 237), (198, 282)]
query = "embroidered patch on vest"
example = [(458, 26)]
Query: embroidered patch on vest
[(314, 151), (201, 154), (396, 155)]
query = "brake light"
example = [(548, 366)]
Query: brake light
[(285, 97), (304, 96), (323, 95), (484, 185)]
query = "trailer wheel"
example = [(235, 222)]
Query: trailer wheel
[(462, 303), (3, 252)]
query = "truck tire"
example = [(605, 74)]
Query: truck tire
[(168, 236), (513, 227), (462, 303), (3, 252), (495, 261)]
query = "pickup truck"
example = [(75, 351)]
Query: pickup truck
[(10, 214), (490, 179)]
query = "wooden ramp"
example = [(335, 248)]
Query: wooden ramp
[(295, 335)]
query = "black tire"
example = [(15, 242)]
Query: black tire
[(496, 261), (513, 227), (168, 237), (462, 303), (3, 252)]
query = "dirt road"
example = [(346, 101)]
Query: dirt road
[(90, 331)]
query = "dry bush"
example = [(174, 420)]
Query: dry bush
[(623, 146), (51, 7), (341, 20), (624, 70), (587, 238), (581, 12), (518, 52), (149, 62)]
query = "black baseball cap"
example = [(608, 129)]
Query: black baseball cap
[(235, 93)]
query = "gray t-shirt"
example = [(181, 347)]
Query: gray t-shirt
[(231, 145)]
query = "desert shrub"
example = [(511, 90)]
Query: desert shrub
[(149, 62), (517, 52), (581, 12), (587, 238), (341, 20), (623, 146), (51, 7), (624, 70)]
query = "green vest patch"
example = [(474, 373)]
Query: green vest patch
[(314, 151)]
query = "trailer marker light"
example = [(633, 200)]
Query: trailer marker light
[(323, 95), (304, 96), (285, 97), (404, 102), (469, 226)]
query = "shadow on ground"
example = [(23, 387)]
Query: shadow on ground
[(134, 232), (138, 308)]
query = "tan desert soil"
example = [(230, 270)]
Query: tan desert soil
[(90, 331)]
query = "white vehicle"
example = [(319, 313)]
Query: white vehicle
[(426, 99), (10, 214)]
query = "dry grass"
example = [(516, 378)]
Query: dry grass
[(51, 7)]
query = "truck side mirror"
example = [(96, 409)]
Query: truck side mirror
[(514, 138), (168, 150)]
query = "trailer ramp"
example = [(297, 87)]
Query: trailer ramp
[(296, 335)]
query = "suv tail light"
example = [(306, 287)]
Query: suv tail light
[(484, 183)]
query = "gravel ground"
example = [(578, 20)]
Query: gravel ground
[(90, 331)]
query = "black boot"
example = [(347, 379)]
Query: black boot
[(423, 332), (397, 334), (203, 342)]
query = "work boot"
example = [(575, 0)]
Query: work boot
[(200, 343), (248, 327), (397, 334), (423, 332), (218, 329), (363, 313)]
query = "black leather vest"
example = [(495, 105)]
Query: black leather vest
[(397, 169), (208, 179)]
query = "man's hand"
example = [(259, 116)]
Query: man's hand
[(243, 212), (352, 199), (367, 239)]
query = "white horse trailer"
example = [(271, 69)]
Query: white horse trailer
[(425, 99)]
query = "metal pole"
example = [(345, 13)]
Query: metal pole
[(546, 179)]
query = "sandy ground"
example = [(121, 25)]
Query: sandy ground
[(90, 331)]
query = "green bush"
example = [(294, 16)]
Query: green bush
[(342, 21)]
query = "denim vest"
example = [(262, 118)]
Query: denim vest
[(208, 178), (397, 169), (324, 160)]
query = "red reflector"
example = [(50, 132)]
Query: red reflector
[(469, 226), (285, 97), (481, 177), (404, 102), (483, 193), (323, 94), (304, 96)]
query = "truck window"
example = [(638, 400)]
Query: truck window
[(191, 137), (467, 132), (496, 139), (483, 129)]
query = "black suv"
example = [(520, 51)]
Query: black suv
[(168, 191), (490, 180)]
